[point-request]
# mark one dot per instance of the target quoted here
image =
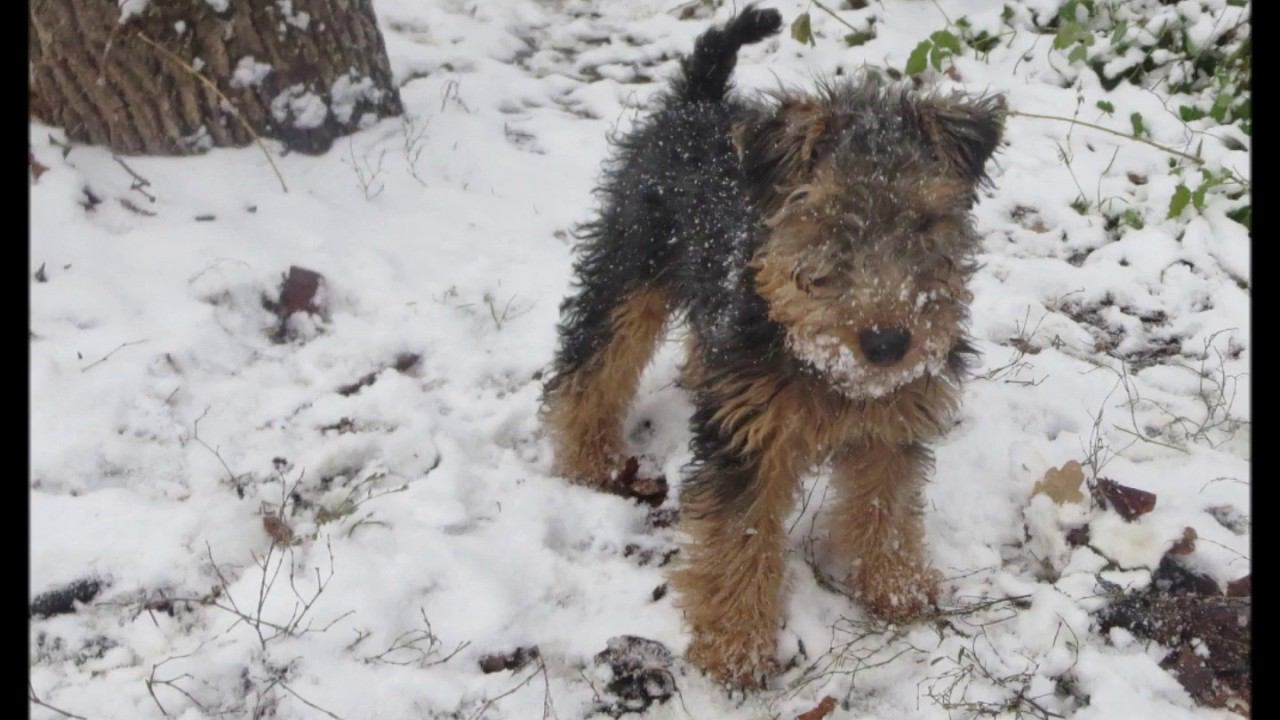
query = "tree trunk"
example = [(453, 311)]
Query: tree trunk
[(302, 71)]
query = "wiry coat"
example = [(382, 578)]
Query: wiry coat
[(794, 233)]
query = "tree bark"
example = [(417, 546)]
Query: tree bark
[(302, 71)]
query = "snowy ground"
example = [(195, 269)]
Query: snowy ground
[(169, 428)]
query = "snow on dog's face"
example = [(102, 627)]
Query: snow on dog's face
[(870, 242)]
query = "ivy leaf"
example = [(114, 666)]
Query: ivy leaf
[(1078, 54), (1106, 107), (919, 59), (1189, 113), (1139, 128), (862, 37), (944, 39), (1221, 104), (1117, 34), (936, 56), (801, 30), (1244, 216), (1069, 33), (1178, 203)]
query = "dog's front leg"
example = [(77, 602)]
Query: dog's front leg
[(878, 526), (748, 453)]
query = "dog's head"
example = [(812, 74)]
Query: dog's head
[(867, 194)]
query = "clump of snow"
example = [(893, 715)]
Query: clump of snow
[(300, 19), (249, 72), (299, 107), (130, 8), (347, 91)]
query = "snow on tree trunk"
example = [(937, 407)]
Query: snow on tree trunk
[(136, 75)]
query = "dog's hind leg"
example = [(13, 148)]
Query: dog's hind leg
[(606, 341)]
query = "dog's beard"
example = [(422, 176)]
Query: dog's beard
[(854, 377)]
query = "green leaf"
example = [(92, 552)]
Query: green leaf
[(862, 37), (936, 56), (944, 39), (919, 59), (1069, 33), (1117, 33), (1006, 14), (801, 30), (1221, 104), (1139, 128), (1197, 197), (1243, 215), (1189, 113), (984, 42), (1132, 218), (1106, 107), (1178, 203), (1079, 54)]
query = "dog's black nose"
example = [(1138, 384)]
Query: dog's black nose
[(884, 347)]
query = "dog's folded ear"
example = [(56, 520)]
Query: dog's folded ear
[(781, 148), (965, 132)]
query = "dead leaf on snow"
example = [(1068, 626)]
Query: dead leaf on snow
[(1062, 485)]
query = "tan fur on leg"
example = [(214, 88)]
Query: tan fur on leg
[(586, 412), (731, 591), (730, 585), (878, 524)]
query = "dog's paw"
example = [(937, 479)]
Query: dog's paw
[(744, 663), (899, 595)]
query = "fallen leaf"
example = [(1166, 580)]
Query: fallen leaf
[(1242, 587), (1062, 485), (1187, 544), (628, 483), (1131, 503), (823, 709), (1079, 536), (278, 529), (298, 293), (513, 660), (37, 168)]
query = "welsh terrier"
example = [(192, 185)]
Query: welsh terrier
[(818, 246)]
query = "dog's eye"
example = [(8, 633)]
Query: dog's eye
[(809, 284), (924, 225), (798, 196)]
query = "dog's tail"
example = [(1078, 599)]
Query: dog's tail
[(706, 72)]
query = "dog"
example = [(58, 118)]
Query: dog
[(818, 246)]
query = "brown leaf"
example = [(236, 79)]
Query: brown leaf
[(1078, 536), (1062, 485), (406, 361), (37, 168), (1024, 346), (662, 517), (1173, 577), (278, 529), (298, 293), (629, 484), (513, 660), (1187, 544), (1229, 517), (1137, 179), (1131, 503), (1242, 587), (823, 709)]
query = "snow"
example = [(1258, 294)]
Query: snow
[(166, 423), (249, 72)]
